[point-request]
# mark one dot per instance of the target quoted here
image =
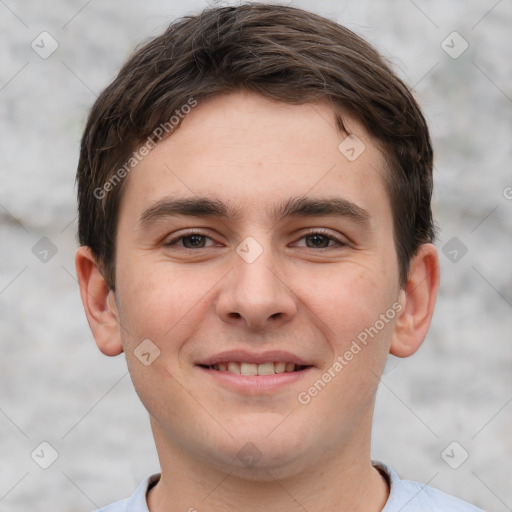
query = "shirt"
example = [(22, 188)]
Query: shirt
[(404, 496)]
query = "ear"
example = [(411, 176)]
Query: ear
[(99, 303), (418, 300)]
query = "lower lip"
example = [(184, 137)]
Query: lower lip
[(254, 384)]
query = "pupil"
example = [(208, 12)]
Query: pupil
[(194, 239), (324, 241)]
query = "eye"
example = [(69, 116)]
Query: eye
[(317, 239), (190, 240), (320, 239)]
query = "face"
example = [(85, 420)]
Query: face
[(248, 242)]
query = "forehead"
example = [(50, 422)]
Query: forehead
[(252, 151)]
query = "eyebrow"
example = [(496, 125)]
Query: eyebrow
[(293, 207)]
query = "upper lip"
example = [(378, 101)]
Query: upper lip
[(244, 356)]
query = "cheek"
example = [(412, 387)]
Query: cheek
[(350, 298), (353, 306), (161, 305), (160, 301)]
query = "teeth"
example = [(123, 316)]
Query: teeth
[(234, 367), (280, 367), (255, 369), (266, 369), (249, 369)]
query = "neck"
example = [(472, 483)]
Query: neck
[(341, 480)]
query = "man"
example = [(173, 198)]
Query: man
[(256, 236)]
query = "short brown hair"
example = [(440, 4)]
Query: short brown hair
[(280, 52)]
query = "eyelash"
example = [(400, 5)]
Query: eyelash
[(319, 231)]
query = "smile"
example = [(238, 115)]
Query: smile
[(243, 368), (255, 373)]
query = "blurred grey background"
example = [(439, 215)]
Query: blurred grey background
[(444, 416)]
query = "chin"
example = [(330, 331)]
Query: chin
[(259, 465), (262, 454)]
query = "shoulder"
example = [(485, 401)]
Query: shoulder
[(407, 496), (118, 506), (136, 502)]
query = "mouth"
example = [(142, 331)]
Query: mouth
[(252, 369), (256, 374)]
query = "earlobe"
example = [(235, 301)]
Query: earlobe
[(99, 303), (418, 300)]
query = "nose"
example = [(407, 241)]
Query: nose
[(256, 294)]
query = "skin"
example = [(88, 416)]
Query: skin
[(191, 303)]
